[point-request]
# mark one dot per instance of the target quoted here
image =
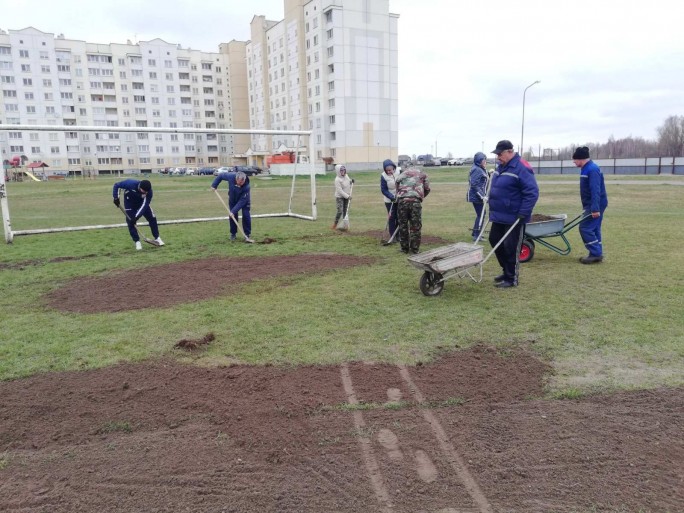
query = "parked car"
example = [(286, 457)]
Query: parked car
[(455, 162), (206, 171), (444, 161), (248, 170), (190, 171)]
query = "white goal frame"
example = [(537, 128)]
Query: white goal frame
[(4, 206)]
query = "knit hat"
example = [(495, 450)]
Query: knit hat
[(581, 153), (145, 185)]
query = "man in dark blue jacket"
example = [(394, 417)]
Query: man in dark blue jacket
[(512, 197), (238, 199), (594, 202), (137, 204)]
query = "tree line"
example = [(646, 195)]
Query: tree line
[(669, 143)]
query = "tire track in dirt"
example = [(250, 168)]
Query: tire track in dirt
[(369, 458), (447, 448), (421, 462)]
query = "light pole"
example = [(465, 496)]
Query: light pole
[(438, 134), (522, 130)]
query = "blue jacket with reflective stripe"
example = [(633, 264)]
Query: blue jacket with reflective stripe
[(593, 188), (514, 192), (133, 200)]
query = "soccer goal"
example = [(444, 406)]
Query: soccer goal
[(182, 200)]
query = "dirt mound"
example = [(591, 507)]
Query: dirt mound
[(193, 280), (193, 344), (465, 433)]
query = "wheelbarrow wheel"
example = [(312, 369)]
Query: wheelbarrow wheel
[(526, 251), (431, 284)]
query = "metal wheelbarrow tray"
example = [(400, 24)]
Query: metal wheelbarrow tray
[(455, 260), (540, 231)]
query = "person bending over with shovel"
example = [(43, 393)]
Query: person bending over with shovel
[(137, 204), (238, 199)]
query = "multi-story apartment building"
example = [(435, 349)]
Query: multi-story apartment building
[(326, 67), (48, 80), (329, 67)]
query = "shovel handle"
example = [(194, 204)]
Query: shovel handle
[(141, 234), (232, 217)]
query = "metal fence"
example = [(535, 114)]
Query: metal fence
[(641, 166)]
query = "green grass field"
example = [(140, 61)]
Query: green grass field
[(611, 326)]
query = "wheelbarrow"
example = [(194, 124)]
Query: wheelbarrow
[(552, 228), (459, 260)]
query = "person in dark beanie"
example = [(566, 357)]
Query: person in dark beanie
[(594, 202), (137, 204), (512, 197), (477, 181)]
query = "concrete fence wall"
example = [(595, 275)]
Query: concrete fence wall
[(641, 166)]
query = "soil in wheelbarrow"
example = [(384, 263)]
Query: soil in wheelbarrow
[(538, 218), (468, 432)]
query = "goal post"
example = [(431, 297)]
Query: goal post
[(289, 208)]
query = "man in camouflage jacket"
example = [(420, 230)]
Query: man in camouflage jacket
[(413, 185)]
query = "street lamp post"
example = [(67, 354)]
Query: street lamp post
[(522, 130), (437, 136)]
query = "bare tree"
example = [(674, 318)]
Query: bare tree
[(671, 137)]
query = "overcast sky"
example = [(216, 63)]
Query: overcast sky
[(608, 67)]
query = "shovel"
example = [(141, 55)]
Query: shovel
[(386, 230), (232, 217), (391, 239), (141, 234)]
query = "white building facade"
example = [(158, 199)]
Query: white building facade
[(48, 80), (331, 68), (327, 67)]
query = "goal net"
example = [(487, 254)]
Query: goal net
[(59, 198)]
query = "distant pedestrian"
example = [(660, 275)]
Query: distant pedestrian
[(137, 204), (512, 196), (477, 189), (594, 202), (388, 188), (413, 186), (239, 199), (343, 189)]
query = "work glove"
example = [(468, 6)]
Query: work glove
[(521, 218), (117, 202), (352, 180)]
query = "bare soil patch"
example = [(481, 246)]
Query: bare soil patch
[(162, 436), (192, 280)]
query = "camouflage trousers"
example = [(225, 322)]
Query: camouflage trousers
[(409, 216)]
